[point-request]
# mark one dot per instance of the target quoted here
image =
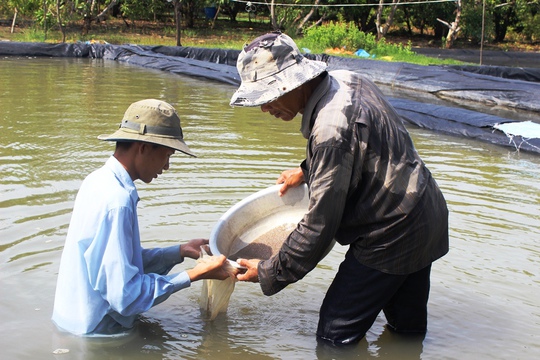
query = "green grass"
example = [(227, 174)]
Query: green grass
[(344, 39)]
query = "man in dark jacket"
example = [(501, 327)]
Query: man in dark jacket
[(369, 189)]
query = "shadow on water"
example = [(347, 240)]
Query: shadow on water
[(149, 340), (146, 340)]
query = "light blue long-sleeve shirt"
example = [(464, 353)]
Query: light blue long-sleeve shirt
[(106, 278)]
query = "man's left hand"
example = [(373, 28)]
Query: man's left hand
[(193, 248)]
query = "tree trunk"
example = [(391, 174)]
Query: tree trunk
[(454, 27), (45, 10), (382, 30), (177, 20), (273, 16), (59, 19), (87, 16), (87, 23), (215, 17), (189, 13), (306, 18), (408, 22), (502, 17), (101, 15), (14, 20)]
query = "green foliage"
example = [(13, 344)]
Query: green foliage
[(145, 9), (472, 21), (353, 28), (422, 18), (45, 20), (385, 49), (169, 31), (32, 35), (24, 7), (529, 26), (342, 35), (346, 36)]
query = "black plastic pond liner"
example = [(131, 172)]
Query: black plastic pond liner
[(445, 82), (491, 58), (507, 72), (462, 122), (496, 88), (147, 57)]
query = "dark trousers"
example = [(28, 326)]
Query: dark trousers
[(359, 293)]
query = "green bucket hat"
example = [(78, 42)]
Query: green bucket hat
[(271, 66), (152, 121)]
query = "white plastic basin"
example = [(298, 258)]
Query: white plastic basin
[(256, 215)]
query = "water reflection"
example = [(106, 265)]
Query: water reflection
[(484, 299)]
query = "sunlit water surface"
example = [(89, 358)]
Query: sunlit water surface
[(485, 293)]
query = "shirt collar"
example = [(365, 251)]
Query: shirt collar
[(317, 94), (123, 176)]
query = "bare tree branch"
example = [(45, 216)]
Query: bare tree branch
[(105, 11)]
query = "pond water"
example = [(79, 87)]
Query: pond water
[(485, 293)]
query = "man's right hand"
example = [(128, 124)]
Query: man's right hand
[(290, 178)]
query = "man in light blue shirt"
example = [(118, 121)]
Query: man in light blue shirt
[(106, 279)]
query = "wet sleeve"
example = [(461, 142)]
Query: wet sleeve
[(329, 181), (115, 268), (161, 260)]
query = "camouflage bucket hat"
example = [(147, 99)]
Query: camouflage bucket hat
[(152, 121), (271, 66)]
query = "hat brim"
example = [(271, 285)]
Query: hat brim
[(263, 91), (170, 142)]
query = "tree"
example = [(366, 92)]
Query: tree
[(91, 13), (454, 27), (528, 15), (230, 8), (308, 16), (177, 18), (273, 16), (188, 9), (477, 24), (382, 30), (503, 17), (59, 19)]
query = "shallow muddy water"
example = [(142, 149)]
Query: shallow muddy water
[(484, 298)]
